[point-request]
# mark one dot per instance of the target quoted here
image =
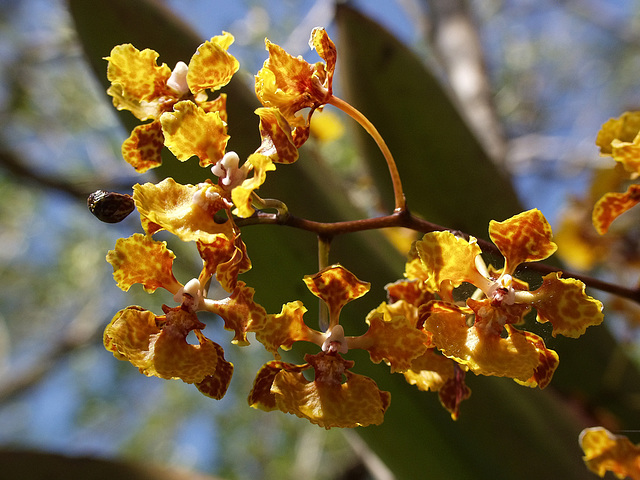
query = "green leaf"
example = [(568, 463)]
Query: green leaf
[(447, 176)]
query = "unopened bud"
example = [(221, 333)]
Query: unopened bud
[(110, 207)]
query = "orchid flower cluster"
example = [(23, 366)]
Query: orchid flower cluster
[(428, 329)]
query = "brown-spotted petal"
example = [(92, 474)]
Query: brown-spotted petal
[(216, 385), (189, 130), (140, 259), (137, 72), (242, 194), (327, 401), (184, 210), (483, 351), (283, 329), (454, 391), (336, 286), (393, 336), (447, 257), (143, 149), (611, 205), (564, 303), (605, 452), (212, 67), (525, 237), (239, 312), (157, 346), (623, 129), (261, 396), (277, 141), (225, 259), (327, 50)]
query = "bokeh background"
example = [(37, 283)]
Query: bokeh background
[(540, 79)]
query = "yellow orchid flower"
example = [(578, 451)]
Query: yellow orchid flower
[(148, 90)]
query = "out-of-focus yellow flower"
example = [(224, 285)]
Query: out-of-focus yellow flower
[(148, 90), (604, 451), (327, 126), (619, 138)]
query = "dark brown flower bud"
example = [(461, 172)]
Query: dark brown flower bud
[(110, 207)]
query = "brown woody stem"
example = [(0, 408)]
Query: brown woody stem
[(404, 218)]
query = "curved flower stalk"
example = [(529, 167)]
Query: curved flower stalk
[(290, 84), (148, 90)]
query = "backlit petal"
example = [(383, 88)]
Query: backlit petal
[(212, 67), (328, 402), (454, 391), (134, 334), (525, 237), (394, 337), (429, 371), (607, 452), (564, 303), (174, 357), (624, 128), (143, 148), (414, 292), (241, 195), (277, 142), (189, 131), (261, 396), (216, 385), (142, 110), (628, 154), (140, 259), (285, 82), (283, 329), (137, 72), (326, 49), (483, 351), (291, 84), (176, 208), (447, 257), (336, 286), (239, 312), (225, 259), (547, 362), (612, 205), (218, 104)]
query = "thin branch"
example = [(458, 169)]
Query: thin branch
[(455, 40), (405, 219), (79, 190)]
